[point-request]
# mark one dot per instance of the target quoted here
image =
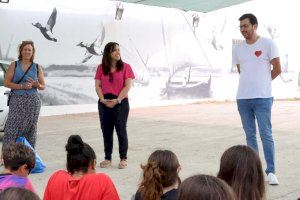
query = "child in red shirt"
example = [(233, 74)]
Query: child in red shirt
[(80, 181)]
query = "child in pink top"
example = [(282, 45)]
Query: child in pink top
[(18, 161), (10, 180), (113, 81)]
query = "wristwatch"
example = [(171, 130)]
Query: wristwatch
[(119, 101)]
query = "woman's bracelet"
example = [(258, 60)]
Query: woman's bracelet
[(21, 87)]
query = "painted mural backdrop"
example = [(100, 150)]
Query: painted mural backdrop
[(170, 58)]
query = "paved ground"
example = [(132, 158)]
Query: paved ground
[(198, 133)]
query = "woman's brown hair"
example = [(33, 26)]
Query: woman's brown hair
[(21, 47), (160, 171), (241, 168), (106, 59), (205, 187)]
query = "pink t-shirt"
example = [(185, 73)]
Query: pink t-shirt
[(118, 79), (11, 180)]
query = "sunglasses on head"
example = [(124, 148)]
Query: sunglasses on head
[(111, 77)]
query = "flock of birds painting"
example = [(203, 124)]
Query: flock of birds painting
[(92, 49)]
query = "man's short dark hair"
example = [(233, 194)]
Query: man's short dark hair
[(250, 16)]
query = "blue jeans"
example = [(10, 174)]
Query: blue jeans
[(259, 109)]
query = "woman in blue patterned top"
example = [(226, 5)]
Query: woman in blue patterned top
[(24, 77)]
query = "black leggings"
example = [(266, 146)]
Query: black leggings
[(111, 118)]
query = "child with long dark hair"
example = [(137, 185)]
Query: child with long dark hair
[(160, 178), (205, 187), (241, 168), (18, 194)]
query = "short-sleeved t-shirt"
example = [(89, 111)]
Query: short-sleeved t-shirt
[(118, 79), (255, 68), (10, 180), (64, 186)]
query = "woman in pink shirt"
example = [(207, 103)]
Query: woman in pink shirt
[(113, 81)]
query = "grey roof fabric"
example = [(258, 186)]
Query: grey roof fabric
[(189, 5)]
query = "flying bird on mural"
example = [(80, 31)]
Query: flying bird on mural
[(93, 48), (217, 39), (49, 27)]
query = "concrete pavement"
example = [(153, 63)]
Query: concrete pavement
[(198, 133)]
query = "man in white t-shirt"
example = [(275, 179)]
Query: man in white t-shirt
[(258, 63)]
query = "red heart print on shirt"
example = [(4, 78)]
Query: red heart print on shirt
[(258, 53)]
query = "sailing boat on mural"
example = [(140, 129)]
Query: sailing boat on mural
[(188, 79), (190, 82)]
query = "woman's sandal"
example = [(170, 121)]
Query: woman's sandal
[(105, 164), (123, 164)]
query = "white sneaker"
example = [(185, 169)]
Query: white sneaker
[(272, 179)]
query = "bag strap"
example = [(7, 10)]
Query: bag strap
[(37, 70), (19, 81)]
